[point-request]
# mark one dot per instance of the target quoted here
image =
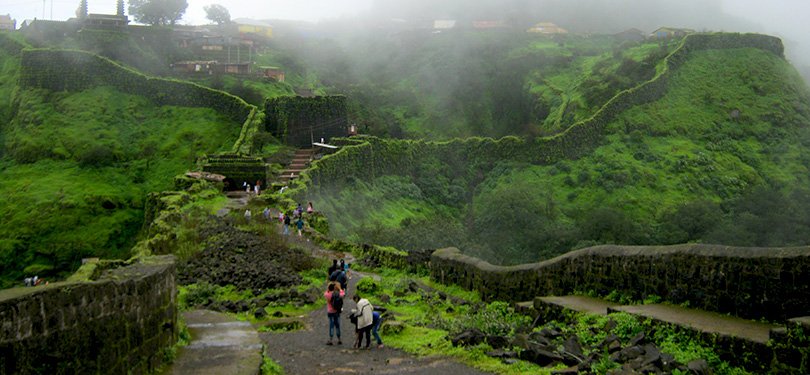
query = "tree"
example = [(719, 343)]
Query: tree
[(81, 12), (217, 13), (157, 12)]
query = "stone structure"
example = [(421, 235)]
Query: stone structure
[(119, 323), (753, 283), (237, 170), (301, 121)]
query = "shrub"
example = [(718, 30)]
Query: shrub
[(367, 285)]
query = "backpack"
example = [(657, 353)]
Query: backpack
[(337, 301)]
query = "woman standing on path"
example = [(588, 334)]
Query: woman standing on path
[(332, 313), (364, 320)]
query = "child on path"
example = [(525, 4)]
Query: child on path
[(332, 313)]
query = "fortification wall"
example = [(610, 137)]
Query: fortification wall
[(377, 157), (117, 324), (75, 70), (754, 283)]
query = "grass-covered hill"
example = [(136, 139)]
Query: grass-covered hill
[(465, 83), (715, 155), (76, 163)]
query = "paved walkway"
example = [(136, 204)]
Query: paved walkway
[(703, 321), (219, 345), (579, 304)]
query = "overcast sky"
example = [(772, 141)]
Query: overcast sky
[(786, 18)]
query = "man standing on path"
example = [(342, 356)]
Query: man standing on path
[(364, 320), (339, 276), (333, 312), (287, 225), (331, 269)]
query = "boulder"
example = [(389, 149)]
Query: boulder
[(699, 367), (520, 340), (573, 370), (260, 313), (639, 339), (499, 353), (539, 338), (497, 342), (468, 337), (540, 355), (391, 327)]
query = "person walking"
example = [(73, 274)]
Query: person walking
[(339, 276), (375, 328), (331, 269), (365, 317), (309, 208), (287, 225), (247, 215), (334, 297), (300, 225)]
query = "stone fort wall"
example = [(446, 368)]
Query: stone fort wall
[(119, 323), (754, 283)]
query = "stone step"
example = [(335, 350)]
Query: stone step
[(576, 303), (703, 321)]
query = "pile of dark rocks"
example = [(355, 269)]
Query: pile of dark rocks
[(258, 304), (550, 347), (246, 260)]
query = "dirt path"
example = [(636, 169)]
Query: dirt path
[(306, 352)]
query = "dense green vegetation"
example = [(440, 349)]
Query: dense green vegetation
[(717, 159), (472, 83), (76, 168)]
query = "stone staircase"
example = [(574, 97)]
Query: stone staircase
[(300, 161), (735, 337)]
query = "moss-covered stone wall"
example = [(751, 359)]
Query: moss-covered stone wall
[(754, 283), (117, 324), (299, 121)]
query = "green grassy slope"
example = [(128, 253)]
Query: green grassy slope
[(472, 83), (717, 159), (76, 168)]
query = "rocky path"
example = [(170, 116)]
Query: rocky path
[(220, 345), (306, 352)]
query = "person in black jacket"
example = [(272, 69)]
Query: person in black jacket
[(332, 268)]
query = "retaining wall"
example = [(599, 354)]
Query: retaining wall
[(753, 283), (117, 324)]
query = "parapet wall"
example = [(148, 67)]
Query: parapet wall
[(753, 283), (118, 324)]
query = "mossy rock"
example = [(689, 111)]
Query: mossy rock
[(392, 327)]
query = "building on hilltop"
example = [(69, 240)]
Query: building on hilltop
[(670, 32), (7, 23), (444, 24), (489, 25), (104, 21), (631, 35), (547, 28), (210, 67), (272, 72)]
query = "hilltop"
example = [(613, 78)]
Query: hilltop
[(714, 157)]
